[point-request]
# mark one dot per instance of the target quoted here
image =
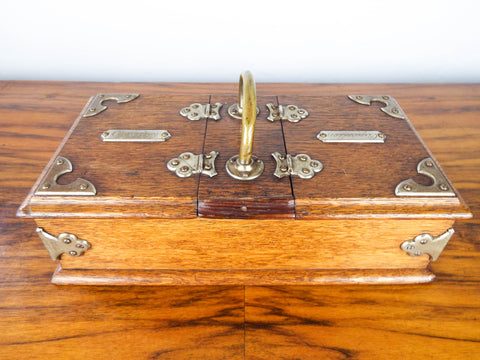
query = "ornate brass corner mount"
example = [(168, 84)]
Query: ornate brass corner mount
[(64, 243), (188, 164), (96, 106), (391, 106), (49, 185), (440, 186), (198, 111), (427, 244), (291, 113), (300, 165)]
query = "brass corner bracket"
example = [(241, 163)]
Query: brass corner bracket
[(49, 185), (64, 243), (427, 244), (96, 106), (439, 187), (391, 106)]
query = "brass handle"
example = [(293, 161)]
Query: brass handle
[(246, 166), (248, 102)]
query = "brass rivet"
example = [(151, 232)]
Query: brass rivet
[(195, 106), (386, 97), (232, 160), (175, 162), (423, 241), (323, 135), (381, 135), (283, 168), (443, 187), (359, 97), (244, 208), (83, 186), (105, 134), (313, 164), (165, 134), (92, 109), (301, 111), (208, 167), (303, 158), (67, 241), (429, 163), (294, 116), (59, 162), (128, 96), (208, 156), (46, 186), (195, 114), (73, 253), (101, 95), (184, 168), (282, 157), (186, 156), (418, 253), (214, 106), (395, 110), (291, 107), (305, 170), (186, 110), (258, 160), (407, 187), (245, 174), (410, 247), (80, 246)]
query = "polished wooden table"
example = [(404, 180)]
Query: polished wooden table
[(38, 320)]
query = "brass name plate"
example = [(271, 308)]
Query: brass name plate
[(351, 136), (136, 135)]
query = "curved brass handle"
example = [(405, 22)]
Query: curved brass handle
[(246, 166), (248, 102)]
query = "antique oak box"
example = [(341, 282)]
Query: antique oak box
[(243, 190)]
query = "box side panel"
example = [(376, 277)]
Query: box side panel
[(205, 244)]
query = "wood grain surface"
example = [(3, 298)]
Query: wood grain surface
[(39, 320)]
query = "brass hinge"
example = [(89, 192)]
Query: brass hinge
[(291, 113), (300, 165), (188, 164), (199, 112)]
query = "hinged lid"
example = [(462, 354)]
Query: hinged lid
[(322, 157)]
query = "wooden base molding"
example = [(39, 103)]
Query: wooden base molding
[(240, 277)]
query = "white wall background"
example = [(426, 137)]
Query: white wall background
[(209, 40)]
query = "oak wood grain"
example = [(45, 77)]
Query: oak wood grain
[(39, 320), (231, 244)]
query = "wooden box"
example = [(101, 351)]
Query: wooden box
[(358, 197)]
